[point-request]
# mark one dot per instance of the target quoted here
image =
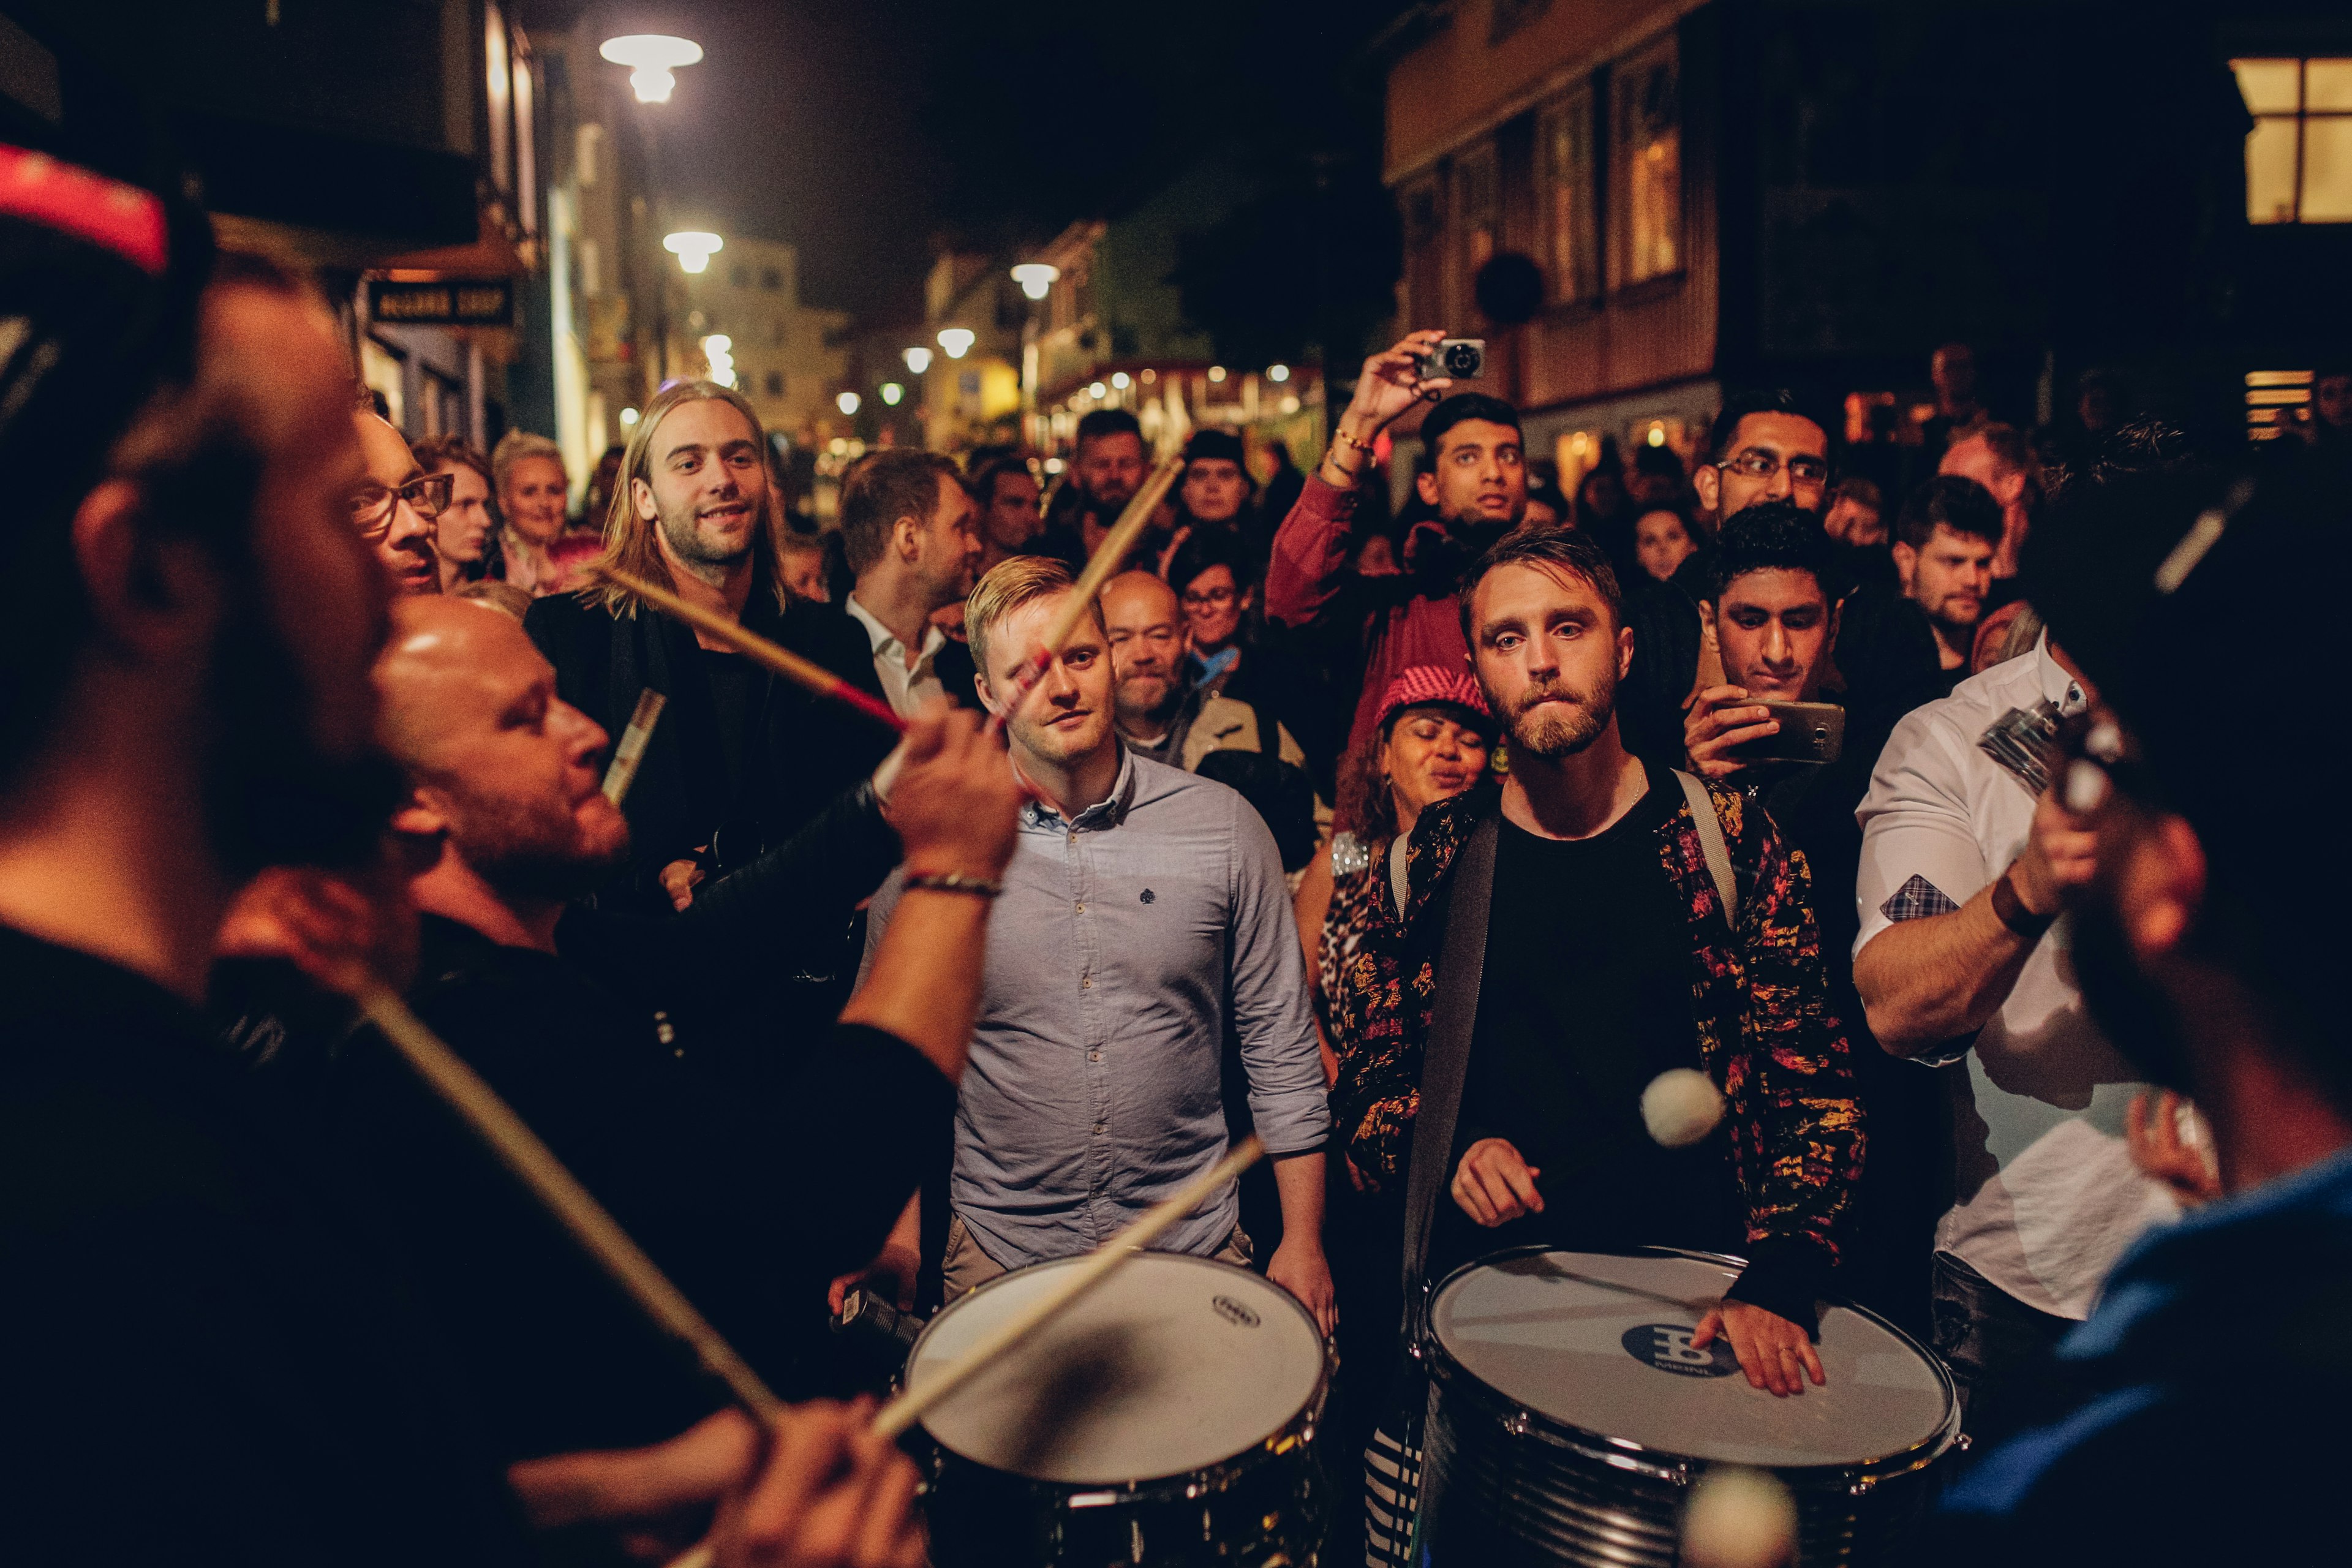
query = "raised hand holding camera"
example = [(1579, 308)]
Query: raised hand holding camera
[(1394, 381)]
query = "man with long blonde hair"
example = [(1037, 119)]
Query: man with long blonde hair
[(738, 758)]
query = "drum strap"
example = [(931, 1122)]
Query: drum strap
[(1711, 845), (1445, 1058)]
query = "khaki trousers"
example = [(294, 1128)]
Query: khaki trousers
[(965, 1266)]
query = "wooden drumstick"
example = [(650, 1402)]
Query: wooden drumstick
[(907, 1409), (758, 649), (515, 1144), (1106, 560)]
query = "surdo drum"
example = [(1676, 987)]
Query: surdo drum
[(1168, 1417), (1569, 1415)]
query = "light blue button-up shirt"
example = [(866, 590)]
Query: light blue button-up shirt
[(1128, 942)]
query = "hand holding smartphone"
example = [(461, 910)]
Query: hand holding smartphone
[(1725, 730)]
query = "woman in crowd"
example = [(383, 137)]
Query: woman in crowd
[(543, 555), (1663, 542), (1432, 742), (465, 533)]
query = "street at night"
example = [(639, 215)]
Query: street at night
[(1441, 784)]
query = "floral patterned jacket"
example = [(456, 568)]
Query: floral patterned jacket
[(1759, 1004)]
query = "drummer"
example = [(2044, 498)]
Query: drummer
[(2208, 1385), (1607, 961)]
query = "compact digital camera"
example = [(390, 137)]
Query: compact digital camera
[(1458, 359)]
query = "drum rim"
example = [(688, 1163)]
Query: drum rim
[(1223, 1475), (1623, 1453)]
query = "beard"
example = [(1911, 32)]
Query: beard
[(2138, 1020), (531, 850), (1145, 699), (681, 530), (1553, 733), (272, 794)]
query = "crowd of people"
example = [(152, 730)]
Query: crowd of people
[(1930, 828)]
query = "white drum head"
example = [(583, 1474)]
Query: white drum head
[(1603, 1343), (1170, 1365)]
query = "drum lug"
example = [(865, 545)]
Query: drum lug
[(1517, 1423), (1861, 1487)]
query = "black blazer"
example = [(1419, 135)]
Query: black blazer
[(837, 639), (800, 751)]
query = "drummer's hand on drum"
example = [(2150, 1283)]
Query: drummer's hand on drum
[(1774, 1353), (1302, 1269), (1494, 1184), (832, 1493)]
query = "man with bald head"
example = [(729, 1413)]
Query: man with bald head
[(601, 1030), (396, 506), (1161, 715)]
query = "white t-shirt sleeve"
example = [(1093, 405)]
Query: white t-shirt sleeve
[(1915, 823)]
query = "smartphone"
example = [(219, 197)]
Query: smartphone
[(1809, 732)]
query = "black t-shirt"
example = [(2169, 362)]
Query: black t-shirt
[(212, 1355), (735, 690), (1585, 998)]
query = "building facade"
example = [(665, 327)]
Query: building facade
[(1639, 202)]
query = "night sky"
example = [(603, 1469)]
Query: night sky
[(862, 132)]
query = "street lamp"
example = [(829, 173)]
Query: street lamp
[(919, 359), (847, 402), (1036, 277), (652, 57), (719, 351), (958, 340), (693, 248), (892, 391)]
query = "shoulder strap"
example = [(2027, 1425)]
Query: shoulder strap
[(1445, 1056), (1710, 843)]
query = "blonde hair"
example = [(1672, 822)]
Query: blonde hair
[(513, 448), (1009, 584), (631, 544)]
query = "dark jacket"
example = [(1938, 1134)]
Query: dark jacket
[(1760, 1009), (800, 751), (835, 638), (753, 1162), (2196, 1416)]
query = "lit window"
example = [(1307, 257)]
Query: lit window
[(1565, 139), (2275, 401), (2299, 153), (1646, 115)]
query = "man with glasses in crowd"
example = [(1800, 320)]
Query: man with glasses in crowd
[(396, 506), (1762, 448)]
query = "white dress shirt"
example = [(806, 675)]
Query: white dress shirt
[(2047, 1196), (908, 690)]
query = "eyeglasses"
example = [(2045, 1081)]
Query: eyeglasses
[(1756, 465), (373, 504), (1207, 597)]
